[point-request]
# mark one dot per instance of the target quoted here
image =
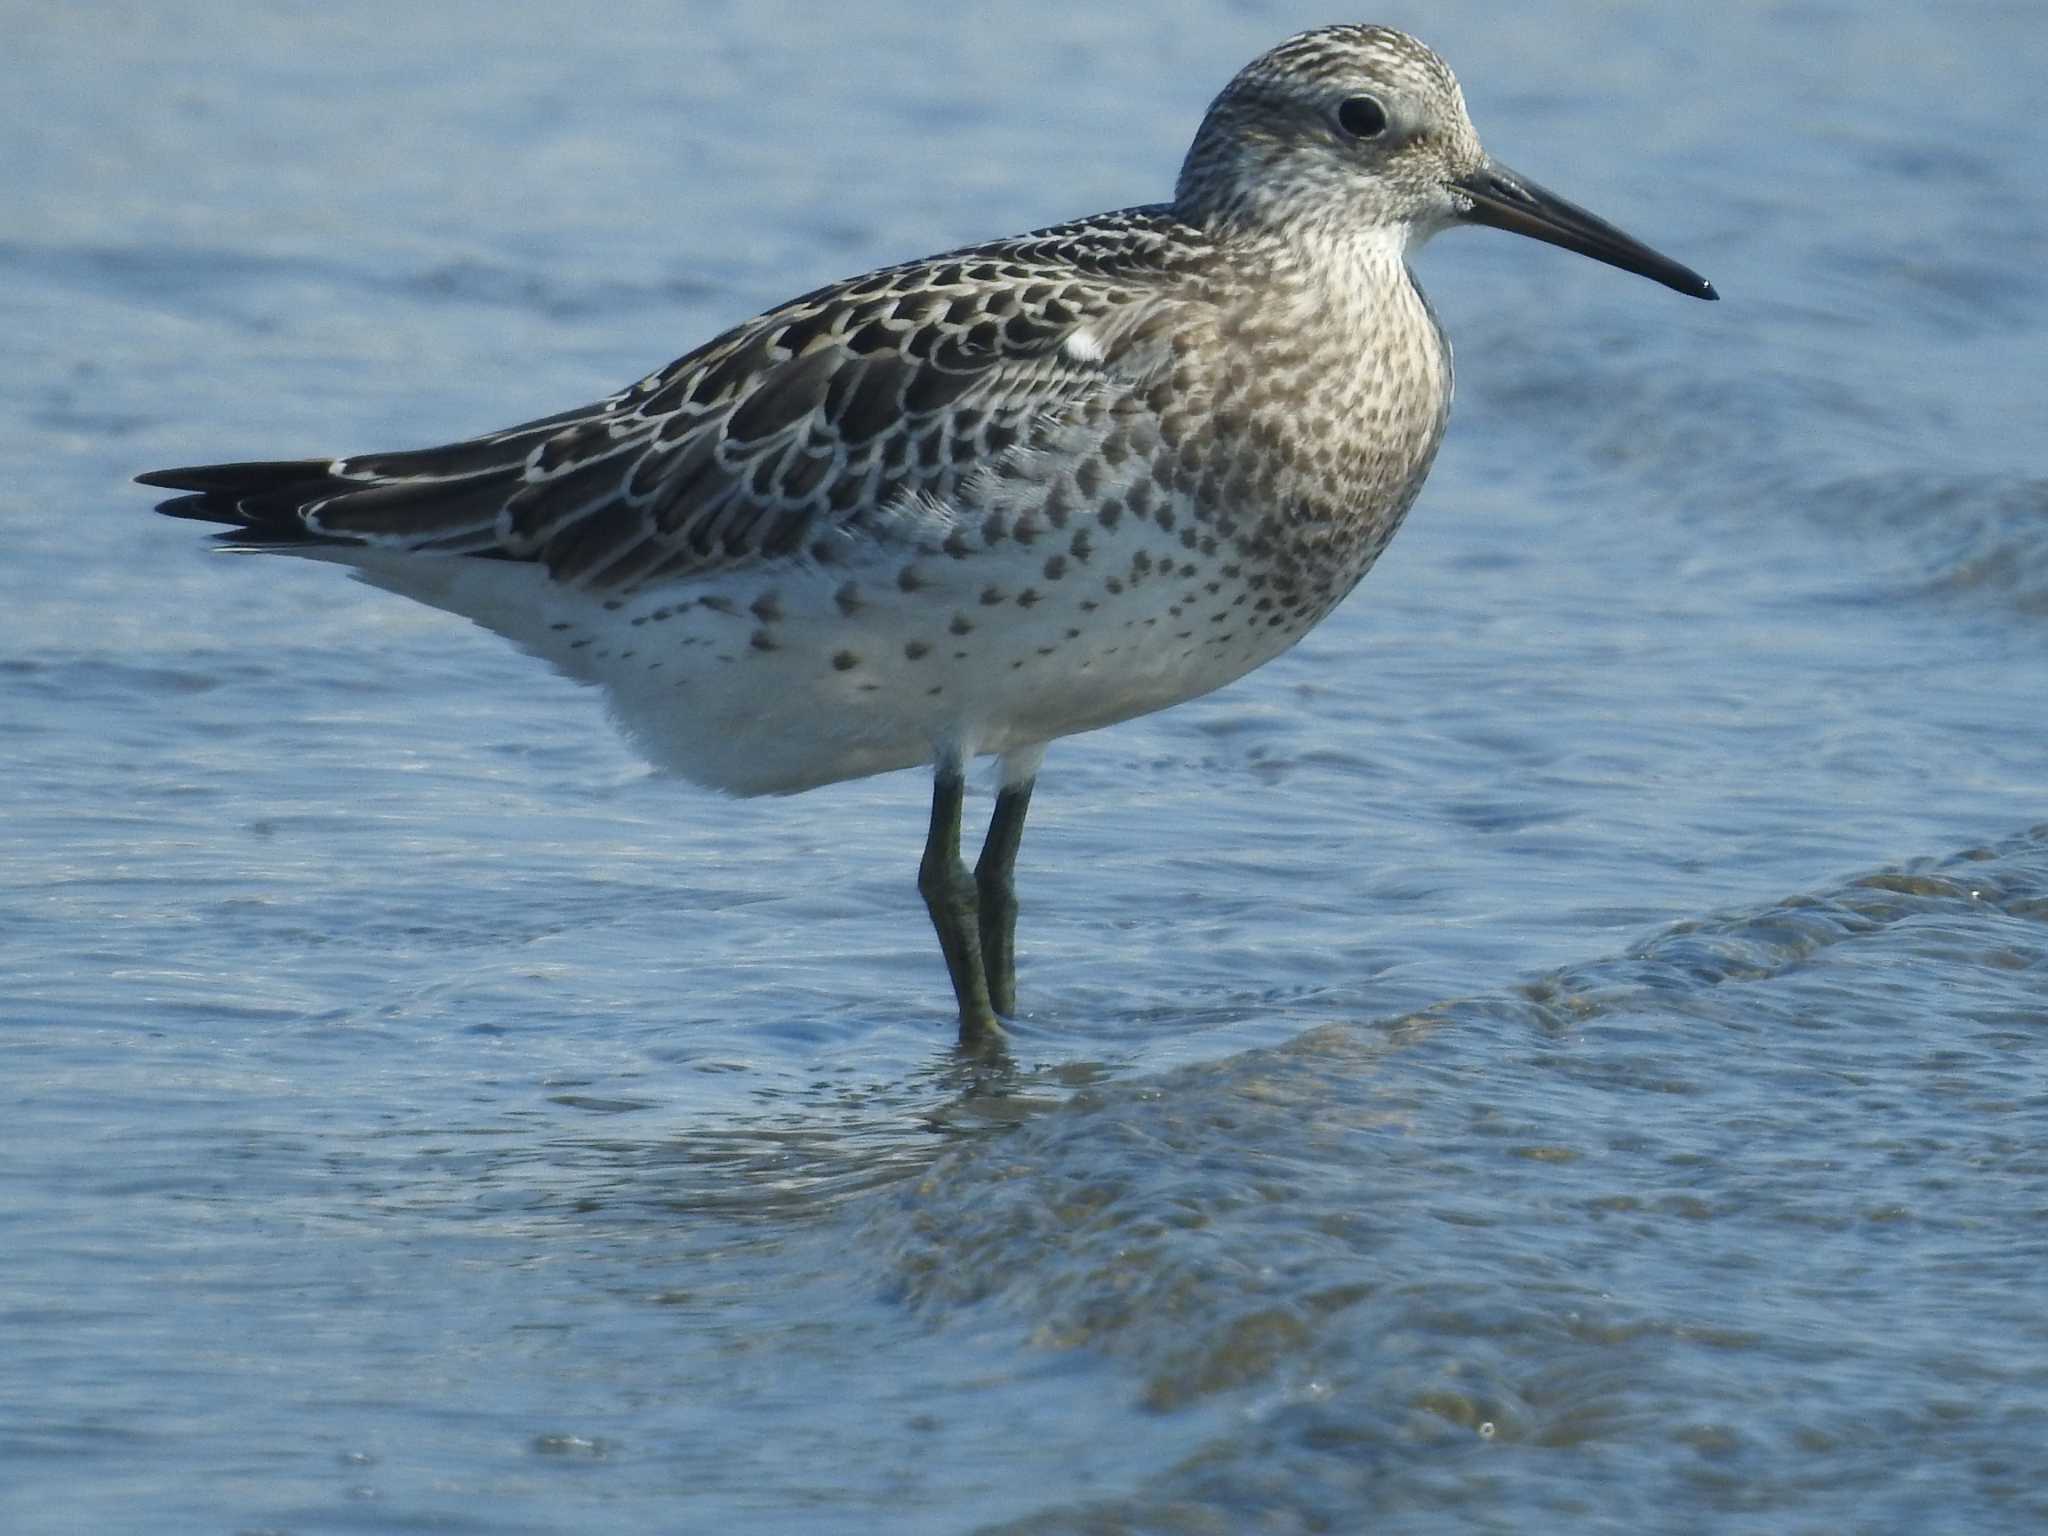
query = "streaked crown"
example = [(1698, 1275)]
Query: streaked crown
[(1358, 125)]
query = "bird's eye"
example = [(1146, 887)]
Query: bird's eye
[(1362, 117)]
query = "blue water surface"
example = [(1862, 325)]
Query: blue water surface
[(1565, 1048)]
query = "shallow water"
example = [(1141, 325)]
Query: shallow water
[(1567, 1045)]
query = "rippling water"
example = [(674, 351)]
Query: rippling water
[(1565, 1048)]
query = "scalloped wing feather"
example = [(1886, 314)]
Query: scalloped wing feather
[(856, 410)]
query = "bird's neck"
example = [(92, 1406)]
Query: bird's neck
[(1350, 397)]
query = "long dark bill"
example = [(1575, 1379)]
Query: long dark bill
[(1509, 201)]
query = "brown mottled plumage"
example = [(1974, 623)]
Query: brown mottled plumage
[(969, 504)]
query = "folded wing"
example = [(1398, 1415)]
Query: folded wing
[(807, 425)]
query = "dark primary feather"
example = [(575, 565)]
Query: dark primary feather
[(798, 424)]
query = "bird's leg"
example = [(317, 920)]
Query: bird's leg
[(949, 895), (995, 884)]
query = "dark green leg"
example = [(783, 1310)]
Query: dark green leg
[(950, 896), (996, 886)]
